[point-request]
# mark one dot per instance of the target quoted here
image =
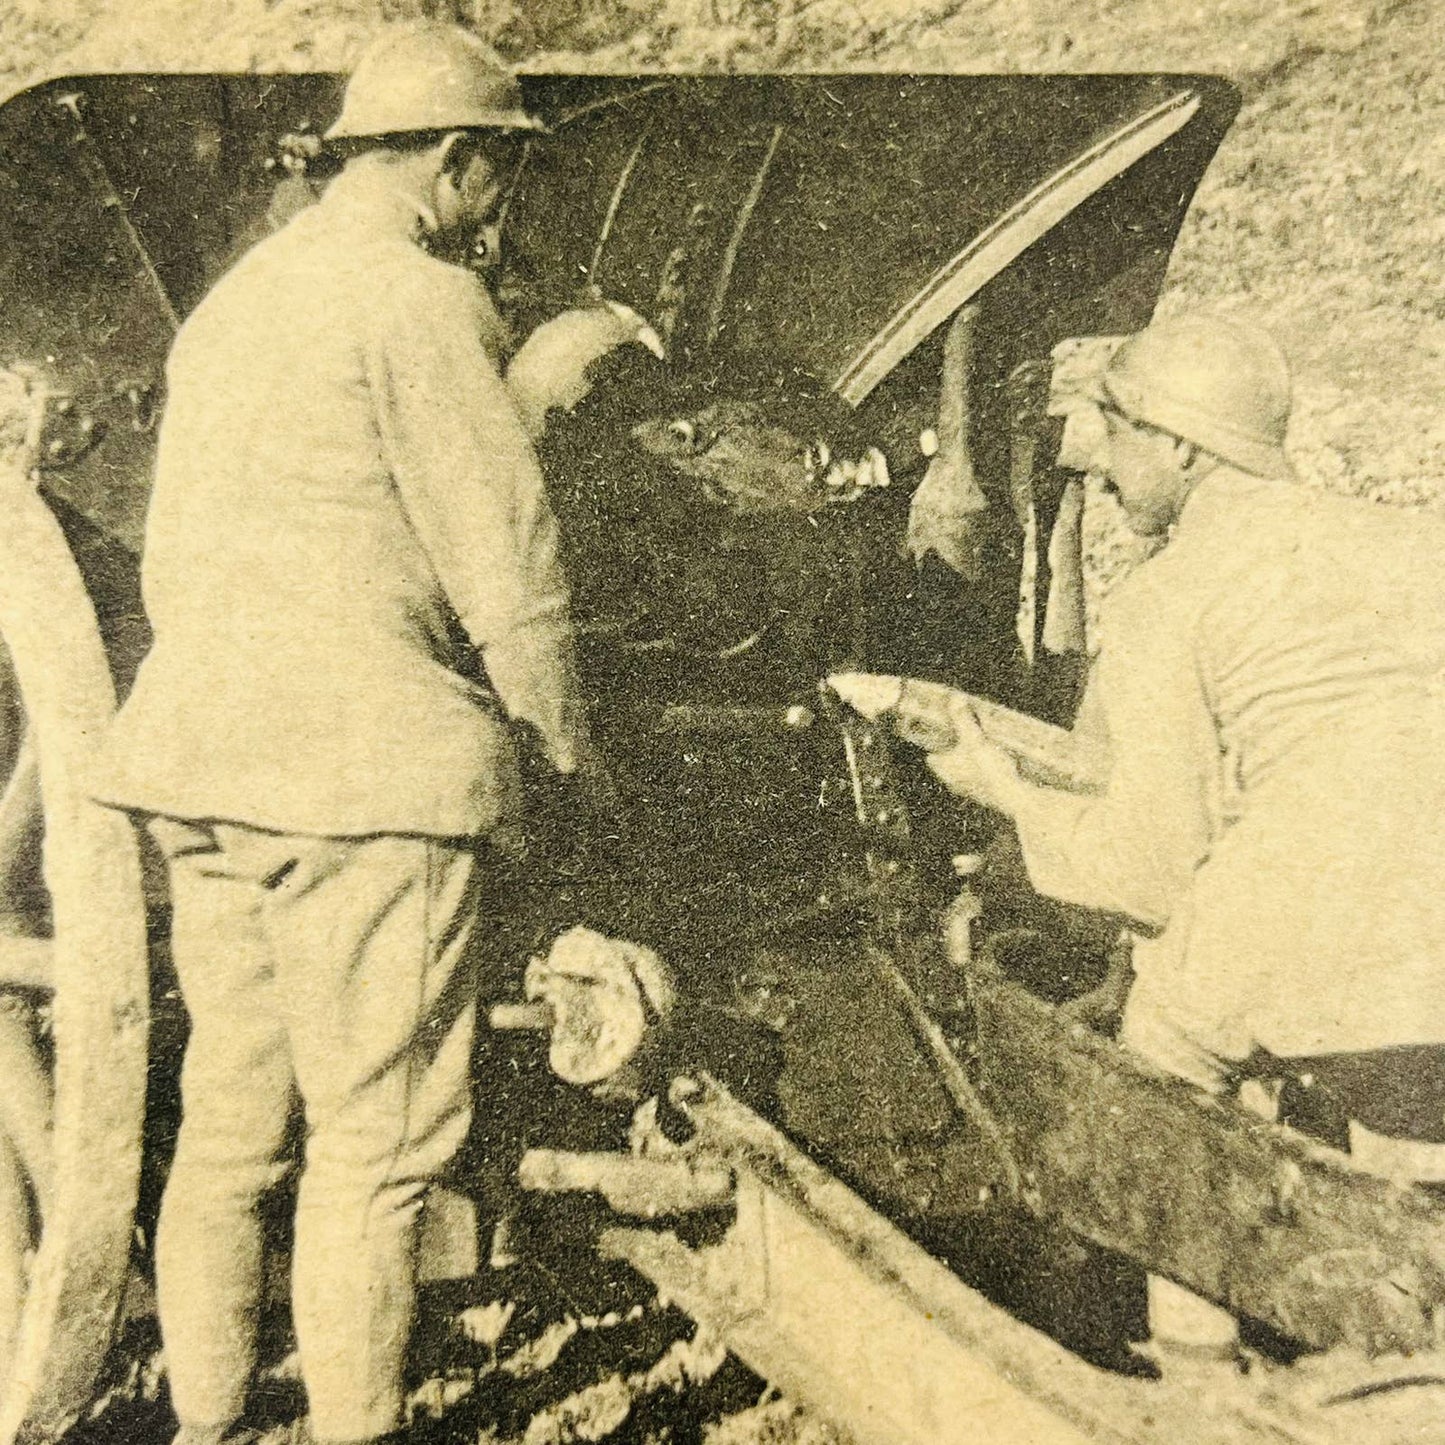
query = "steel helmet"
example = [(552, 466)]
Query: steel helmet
[(1218, 383), (430, 78)]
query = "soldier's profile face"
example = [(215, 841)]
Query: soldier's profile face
[(467, 197), (471, 196), (1143, 473)]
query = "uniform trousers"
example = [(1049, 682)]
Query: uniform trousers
[(1394, 1093), (329, 982), (1385, 1107)]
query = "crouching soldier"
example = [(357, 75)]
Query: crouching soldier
[(351, 570), (1273, 688)]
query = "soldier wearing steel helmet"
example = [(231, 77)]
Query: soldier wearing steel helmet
[(351, 570), (1273, 687)]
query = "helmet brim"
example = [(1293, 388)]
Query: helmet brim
[(1177, 416)]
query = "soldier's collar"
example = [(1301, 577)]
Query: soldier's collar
[(371, 194), (1226, 495)]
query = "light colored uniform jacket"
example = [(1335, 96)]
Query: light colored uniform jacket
[(1273, 685), (350, 566)]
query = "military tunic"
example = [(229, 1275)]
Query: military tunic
[(1273, 686)]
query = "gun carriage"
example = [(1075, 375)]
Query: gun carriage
[(895, 1139)]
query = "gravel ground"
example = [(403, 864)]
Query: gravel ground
[(1325, 209), (1324, 215)]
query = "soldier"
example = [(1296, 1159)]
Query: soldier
[(351, 570), (1273, 686)]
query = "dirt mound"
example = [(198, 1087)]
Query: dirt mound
[(1325, 210), (1236, 36)]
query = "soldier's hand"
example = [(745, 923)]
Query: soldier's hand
[(974, 767)]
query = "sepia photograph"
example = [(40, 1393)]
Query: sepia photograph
[(722, 722)]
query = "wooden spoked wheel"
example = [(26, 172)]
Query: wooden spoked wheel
[(97, 962)]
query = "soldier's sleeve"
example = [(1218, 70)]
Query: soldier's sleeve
[(470, 484), (1133, 849)]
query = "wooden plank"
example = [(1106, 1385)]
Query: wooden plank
[(99, 958), (26, 962), (1245, 1212), (834, 1304)]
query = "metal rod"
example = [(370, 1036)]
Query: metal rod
[(735, 241), (952, 1075), (614, 205), (647, 1188), (609, 102), (90, 157), (1009, 237)]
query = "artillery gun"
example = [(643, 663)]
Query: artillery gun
[(854, 281)]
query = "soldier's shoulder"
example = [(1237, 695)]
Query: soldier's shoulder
[(1168, 592), (422, 279), (269, 265), (429, 296)]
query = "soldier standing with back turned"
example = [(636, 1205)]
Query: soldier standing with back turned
[(351, 569)]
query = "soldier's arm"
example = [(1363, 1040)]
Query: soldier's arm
[(1134, 848), (471, 486), (551, 368)]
